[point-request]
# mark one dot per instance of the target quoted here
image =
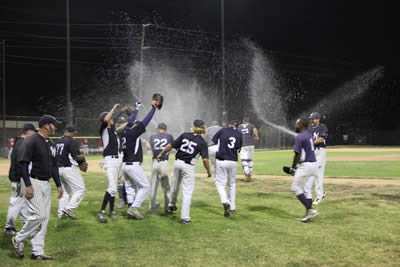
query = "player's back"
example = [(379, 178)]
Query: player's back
[(158, 142), (189, 146), (67, 149), (229, 142), (304, 145)]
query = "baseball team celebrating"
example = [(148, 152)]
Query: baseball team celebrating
[(36, 159)]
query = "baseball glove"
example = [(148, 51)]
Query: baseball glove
[(84, 166), (289, 170), (159, 98)]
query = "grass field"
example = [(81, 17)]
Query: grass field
[(358, 224)]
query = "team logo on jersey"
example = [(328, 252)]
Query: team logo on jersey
[(53, 151), (315, 135)]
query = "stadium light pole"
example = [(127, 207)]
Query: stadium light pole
[(3, 79), (69, 108), (224, 112), (141, 61)]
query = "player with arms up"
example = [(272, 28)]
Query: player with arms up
[(189, 146), (133, 157), (112, 161), (319, 133), (249, 133), (160, 169), (70, 160), (305, 166), (229, 143)]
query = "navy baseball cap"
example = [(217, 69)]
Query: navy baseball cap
[(315, 116), (162, 126), (29, 126), (70, 129), (48, 119), (234, 122), (198, 124)]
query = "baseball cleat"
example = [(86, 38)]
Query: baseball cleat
[(317, 201), (101, 216), (18, 247), (114, 215), (41, 257), (10, 231), (134, 212), (311, 213), (185, 221), (226, 209), (172, 209), (69, 213), (232, 211)]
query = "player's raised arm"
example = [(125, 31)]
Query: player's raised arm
[(108, 117)]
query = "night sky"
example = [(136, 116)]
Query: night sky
[(356, 32)]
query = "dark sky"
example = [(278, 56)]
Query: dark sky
[(352, 31)]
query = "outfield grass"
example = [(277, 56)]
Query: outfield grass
[(358, 225)]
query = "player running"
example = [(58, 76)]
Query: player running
[(70, 160), (305, 166), (160, 169), (189, 146), (249, 133), (229, 143)]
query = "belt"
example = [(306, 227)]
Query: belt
[(161, 159), (132, 163), (187, 162), (114, 156), (319, 147), (40, 179)]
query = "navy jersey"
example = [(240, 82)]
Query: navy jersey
[(229, 142), (67, 150), (41, 154), (247, 134), (319, 131), (304, 145), (131, 143), (189, 146), (158, 142), (110, 140), (211, 131), (14, 174)]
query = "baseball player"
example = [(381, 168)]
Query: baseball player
[(112, 162), (305, 166), (212, 148), (249, 133), (160, 169), (189, 146), (319, 133), (70, 160), (229, 143), (133, 158), (17, 205), (38, 161), (85, 146)]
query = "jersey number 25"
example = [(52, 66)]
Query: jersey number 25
[(188, 146)]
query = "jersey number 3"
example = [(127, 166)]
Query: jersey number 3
[(188, 146), (232, 141)]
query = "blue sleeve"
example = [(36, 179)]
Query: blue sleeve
[(177, 143), (323, 131), (297, 144), (204, 150), (149, 116), (132, 118)]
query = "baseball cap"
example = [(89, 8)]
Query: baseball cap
[(315, 115), (102, 116), (162, 126), (234, 122), (198, 123), (29, 126), (70, 129), (48, 119)]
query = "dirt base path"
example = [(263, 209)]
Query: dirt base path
[(94, 166)]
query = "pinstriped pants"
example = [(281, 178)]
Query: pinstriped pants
[(36, 223)]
